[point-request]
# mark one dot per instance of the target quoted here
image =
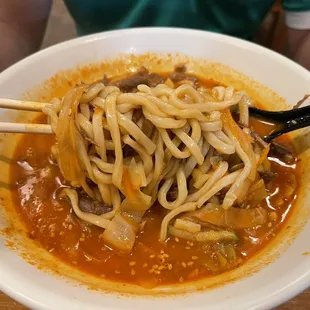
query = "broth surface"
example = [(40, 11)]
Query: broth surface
[(50, 220)]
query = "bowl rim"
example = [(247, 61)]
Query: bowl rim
[(274, 298), (149, 30)]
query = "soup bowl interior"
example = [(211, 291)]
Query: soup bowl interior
[(281, 270)]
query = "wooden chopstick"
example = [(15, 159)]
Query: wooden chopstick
[(24, 128), (21, 105)]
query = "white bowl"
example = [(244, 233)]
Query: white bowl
[(275, 283)]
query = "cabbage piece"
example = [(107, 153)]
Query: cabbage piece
[(243, 143), (141, 202), (229, 251), (121, 233), (67, 137), (187, 225), (204, 236), (243, 138), (221, 257), (135, 199), (233, 217), (256, 193)]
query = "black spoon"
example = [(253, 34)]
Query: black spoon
[(285, 121)]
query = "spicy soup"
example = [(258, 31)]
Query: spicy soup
[(51, 221)]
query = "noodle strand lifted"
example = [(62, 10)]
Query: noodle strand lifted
[(178, 145)]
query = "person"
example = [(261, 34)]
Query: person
[(23, 23)]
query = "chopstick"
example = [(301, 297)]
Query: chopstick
[(24, 128), (288, 120), (21, 105)]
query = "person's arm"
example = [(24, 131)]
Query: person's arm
[(22, 27), (297, 18), (299, 46)]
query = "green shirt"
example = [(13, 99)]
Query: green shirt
[(240, 18)]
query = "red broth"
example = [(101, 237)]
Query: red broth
[(51, 221)]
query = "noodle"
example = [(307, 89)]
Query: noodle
[(190, 206), (110, 111), (91, 218), (159, 143)]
